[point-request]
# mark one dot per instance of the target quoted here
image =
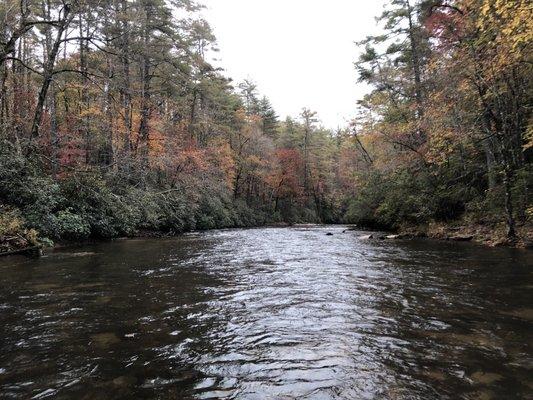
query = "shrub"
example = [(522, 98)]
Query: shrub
[(71, 226), (13, 231), (177, 214)]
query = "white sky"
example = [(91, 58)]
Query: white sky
[(300, 53)]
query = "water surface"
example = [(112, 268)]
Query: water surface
[(272, 313)]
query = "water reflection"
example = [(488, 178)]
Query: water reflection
[(268, 313)]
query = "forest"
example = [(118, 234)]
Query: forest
[(114, 123)]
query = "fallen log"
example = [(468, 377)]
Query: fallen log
[(33, 251)]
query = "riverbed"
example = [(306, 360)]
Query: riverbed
[(268, 313)]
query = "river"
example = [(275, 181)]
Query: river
[(269, 313)]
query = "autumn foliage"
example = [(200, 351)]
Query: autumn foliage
[(112, 122)]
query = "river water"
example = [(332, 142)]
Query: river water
[(271, 313)]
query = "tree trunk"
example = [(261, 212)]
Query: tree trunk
[(49, 72), (144, 129), (108, 151), (146, 108), (3, 100), (125, 90), (51, 101), (490, 162), (511, 226), (416, 62)]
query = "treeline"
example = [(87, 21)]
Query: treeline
[(446, 133), (113, 122)]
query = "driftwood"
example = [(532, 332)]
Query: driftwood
[(33, 251)]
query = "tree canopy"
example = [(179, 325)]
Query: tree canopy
[(112, 121)]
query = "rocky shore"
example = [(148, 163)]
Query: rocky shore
[(493, 236)]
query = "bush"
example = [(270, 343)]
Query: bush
[(90, 204), (214, 212), (107, 214), (387, 202), (361, 209), (13, 231), (177, 214), (72, 226)]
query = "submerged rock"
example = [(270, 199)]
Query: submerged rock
[(105, 340), (524, 313), (482, 395), (485, 378), (386, 237), (435, 375), (125, 381)]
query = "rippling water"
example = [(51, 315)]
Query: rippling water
[(274, 313)]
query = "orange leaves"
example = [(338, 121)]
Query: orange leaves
[(289, 159), (191, 160), (285, 177), (221, 158)]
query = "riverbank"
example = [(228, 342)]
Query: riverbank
[(490, 235), (32, 246)]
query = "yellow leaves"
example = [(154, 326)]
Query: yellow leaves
[(485, 8), (240, 115), (91, 111), (244, 118), (529, 213), (10, 222), (254, 161), (508, 29), (528, 136), (441, 145), (12, 229)]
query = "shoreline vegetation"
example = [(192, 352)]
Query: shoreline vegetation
[(114, 122), (480, 235)]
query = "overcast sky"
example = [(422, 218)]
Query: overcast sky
[(300, 53)]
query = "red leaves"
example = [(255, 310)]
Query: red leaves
[(285, 178)]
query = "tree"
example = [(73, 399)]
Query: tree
[(249, 95), (394, 63), (489, 57), (269, 117), (309, 119), (65, 18)]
